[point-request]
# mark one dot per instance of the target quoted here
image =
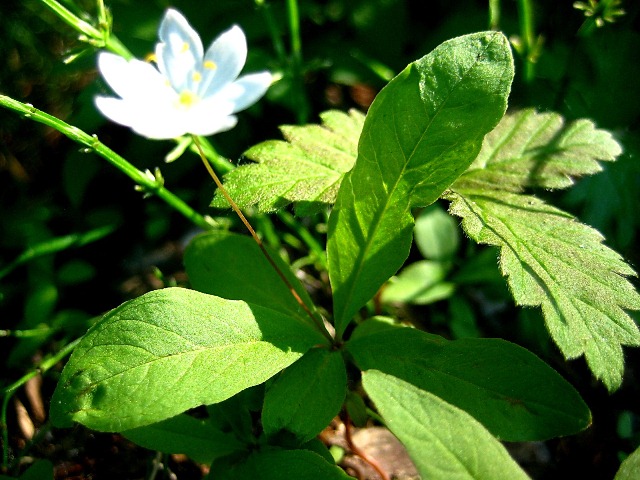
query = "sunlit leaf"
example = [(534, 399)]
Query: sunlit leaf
[(421, 132), (306, 169), (553, 261), (443, 441), (171, 350)]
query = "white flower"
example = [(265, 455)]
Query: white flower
[(190, 92)]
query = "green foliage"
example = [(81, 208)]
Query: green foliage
[(304, 398), (199, 439), (630, 467), (439, 437), (550, 259), (422, 131), (160, 351), (232, 266), (306, 169), (514, 394)]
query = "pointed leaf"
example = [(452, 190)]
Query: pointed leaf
[(553, 261), (443, 441), (306, 396), (199, 439), (171, 350), (232, 266), (530, 149), (422, 131), (513, 393), (306, 169)]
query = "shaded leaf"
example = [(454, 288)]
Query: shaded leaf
[(630, 467), (443, 441), (531, 149), (232, 266), (199, 439), (280, 464), (306, 396), (306, 169), (171, 350), (421, 132), (553, 261)]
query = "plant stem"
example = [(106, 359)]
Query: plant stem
[(145, 180), (234, 206), (525, 13), (296, 61), (8, 392), (494, 14)]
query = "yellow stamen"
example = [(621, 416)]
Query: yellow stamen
[(209, 65), (187, 98), (196, 77), (185, 47), (151, 57)]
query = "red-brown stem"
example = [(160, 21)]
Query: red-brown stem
[(258, 240), (359, 452)]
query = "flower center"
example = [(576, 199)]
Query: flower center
[(187, 99)]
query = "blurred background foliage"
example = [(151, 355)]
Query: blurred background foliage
[(76, 239)]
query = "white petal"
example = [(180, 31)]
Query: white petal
[(228, 53), (247, 90), (133, 78), (206, 125), (157, 121), (180, 52)]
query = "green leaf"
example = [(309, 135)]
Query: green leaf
[(553, 261), (436, 234), (306, 169), (422, 131), (419, 283), (513, 393), (630, 467), (232, 266), (530, 149), (306, 396), (199, 439), (443, 441), (170, 350), (282, 465)]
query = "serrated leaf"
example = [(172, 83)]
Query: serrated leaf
[(513, 393), (443, 441), (306, 169), (304, 398), (553, 261), (171, 350), (531, 149), (199, 439), (422, 131)]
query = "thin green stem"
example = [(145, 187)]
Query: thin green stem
[(527, 35), (146, 180), (302, 104), (8, 392), (234, 206), (306, 236), (276, 37), (494, 14)]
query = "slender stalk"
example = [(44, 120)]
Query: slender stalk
[(525, 13), (8, 392), (276, 39), (234, 206), (293, 13), (305, 235), (494, 14), (147, 181)]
